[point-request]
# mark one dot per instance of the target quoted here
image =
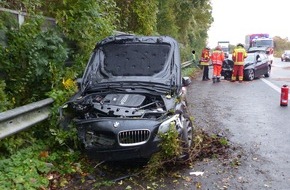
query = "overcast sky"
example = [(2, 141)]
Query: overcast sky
[(234, 19)]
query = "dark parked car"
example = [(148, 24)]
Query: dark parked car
[(131, 92), (285, 56), (256, 65)]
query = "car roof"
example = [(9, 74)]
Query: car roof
[(256, 52), (255, 49)]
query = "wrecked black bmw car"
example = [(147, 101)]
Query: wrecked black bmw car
[(131, 91)]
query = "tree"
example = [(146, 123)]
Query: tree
[(280, 45), (137, 16)]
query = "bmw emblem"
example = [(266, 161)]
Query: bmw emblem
[(116, 124)]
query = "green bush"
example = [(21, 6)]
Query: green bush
[(4, 102), (23, 170)]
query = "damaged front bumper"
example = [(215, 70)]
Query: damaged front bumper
[(119, 139)]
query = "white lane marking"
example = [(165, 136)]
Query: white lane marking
[(273, 86), (280, 66)]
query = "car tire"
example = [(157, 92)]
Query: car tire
[(268, 72), (249, 74), (186, 137)]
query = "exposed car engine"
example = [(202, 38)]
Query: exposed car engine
[(118, 105)]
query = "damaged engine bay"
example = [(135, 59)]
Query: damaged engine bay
[(120, 105)]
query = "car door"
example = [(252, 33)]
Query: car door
[(261, 64)]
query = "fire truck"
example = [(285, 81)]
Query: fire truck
[(261, 40)]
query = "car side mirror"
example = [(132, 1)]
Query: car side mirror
[(186, 81), (259, 59), (79, 82)]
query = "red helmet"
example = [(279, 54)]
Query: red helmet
[(218, 48)]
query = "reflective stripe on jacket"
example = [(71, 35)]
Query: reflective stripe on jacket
[(217, 57), (239, 55), (205, 57)]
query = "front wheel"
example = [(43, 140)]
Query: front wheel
[(186, 137), (249, 74), (268, 72)]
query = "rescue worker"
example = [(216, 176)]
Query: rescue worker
[(193, 57), (238, 56), (217, 57), (204, 62)]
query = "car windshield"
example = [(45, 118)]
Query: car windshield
[(251, 57), (287, 52)]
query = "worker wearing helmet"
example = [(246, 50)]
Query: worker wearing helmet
[(238, 56), (217, 58), (204, 62), (193, 57)]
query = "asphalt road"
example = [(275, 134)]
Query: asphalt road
[(258, 128)]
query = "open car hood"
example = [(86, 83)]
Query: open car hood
[(129, 61)]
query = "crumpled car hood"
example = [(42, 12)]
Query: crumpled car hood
[(123, 60)]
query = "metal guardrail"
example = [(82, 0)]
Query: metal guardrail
[(186, 64), (189, 63), (18, 119)]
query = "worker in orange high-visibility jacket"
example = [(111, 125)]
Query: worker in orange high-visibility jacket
[(204, 62), (239, 54), (217, 57)]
